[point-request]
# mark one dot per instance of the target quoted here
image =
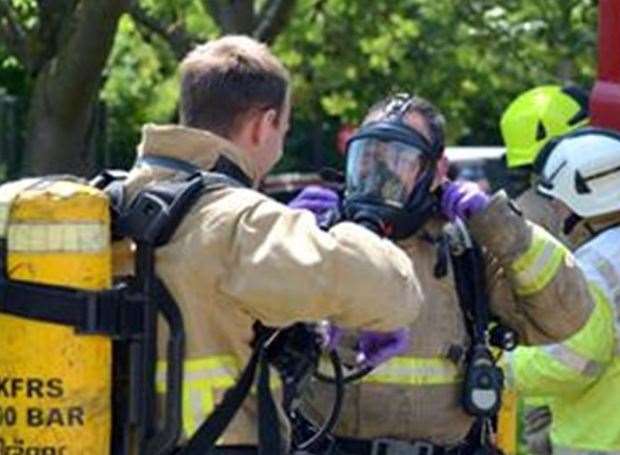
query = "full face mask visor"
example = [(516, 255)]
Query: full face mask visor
[(385, 171)]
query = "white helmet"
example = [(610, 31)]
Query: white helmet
[(582, 169)]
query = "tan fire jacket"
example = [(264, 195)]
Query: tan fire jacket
[(239, 256), (536, 413), (538, 210), (535, 288)]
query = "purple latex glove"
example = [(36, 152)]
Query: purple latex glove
[(463, 200), (317, 199), (377, 347)]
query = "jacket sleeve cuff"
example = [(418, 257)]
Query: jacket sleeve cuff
[(501, 229)]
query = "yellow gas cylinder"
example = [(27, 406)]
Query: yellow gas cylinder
[(55, 385), (507, 423)]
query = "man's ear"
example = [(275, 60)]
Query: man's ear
[(262, 124), (254, 127), (442, 167), (441, 171)]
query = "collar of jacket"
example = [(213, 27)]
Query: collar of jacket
[(198, 147), (591, 227)]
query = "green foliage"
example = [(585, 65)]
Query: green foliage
[(470, 57), (140, 88), (189, 13), (13, 78), (141, 81)]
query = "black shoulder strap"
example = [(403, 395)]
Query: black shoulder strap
[(468, 267), (270, 443), (483, 378), (158, 209), (223, 166), (150, 219), (227, 167)]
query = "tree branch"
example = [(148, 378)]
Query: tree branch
[(13, 35), (273, 18), (175, 34), (232, 16), (87, 36), (51, 15), (212, 7), (48, 33)]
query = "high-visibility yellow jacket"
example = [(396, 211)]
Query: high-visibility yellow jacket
[(582, 374), (239, 256)]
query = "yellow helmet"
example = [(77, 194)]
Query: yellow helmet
[(539, 115)]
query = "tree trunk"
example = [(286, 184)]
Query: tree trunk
[(61, 109), (56, 144)]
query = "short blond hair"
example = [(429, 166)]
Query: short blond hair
[(228, 78)]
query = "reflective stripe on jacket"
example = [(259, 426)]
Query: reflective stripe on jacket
[(538, 265), (203, 381), (415, 371)]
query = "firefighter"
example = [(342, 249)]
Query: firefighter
[(530, 122), (239, 256), (579, 176), (412, 403)]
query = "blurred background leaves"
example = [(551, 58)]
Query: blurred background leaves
[(470, 57)]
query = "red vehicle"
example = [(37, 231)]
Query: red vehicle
[(605, 101)]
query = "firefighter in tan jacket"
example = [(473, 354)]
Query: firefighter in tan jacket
[(239, 256), (413, 400)]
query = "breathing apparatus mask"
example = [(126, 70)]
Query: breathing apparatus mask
[(390, 170)]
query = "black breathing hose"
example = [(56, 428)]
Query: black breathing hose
[(331, 421)]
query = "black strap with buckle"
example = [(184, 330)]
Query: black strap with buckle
[(116, 313)]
